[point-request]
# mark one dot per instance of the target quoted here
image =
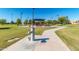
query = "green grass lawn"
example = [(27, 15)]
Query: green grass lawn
[(70, 36), (40, 30), (12, 32)]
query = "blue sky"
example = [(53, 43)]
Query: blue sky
[(45, 13)]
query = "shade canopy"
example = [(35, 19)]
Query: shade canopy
[(39, 19)]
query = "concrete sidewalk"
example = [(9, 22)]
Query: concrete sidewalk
[(53, 44), (22, 45)]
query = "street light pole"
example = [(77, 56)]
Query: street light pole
[(32, 37)]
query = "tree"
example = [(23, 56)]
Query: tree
[(18, 22), (42, 22), (30, 21), (63, 20), (25, 22), (2, 21), (54, 22), (67, 20), (49, 22), (12, 22)]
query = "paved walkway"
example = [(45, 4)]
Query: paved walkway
[(53, 44), (22, 45)]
